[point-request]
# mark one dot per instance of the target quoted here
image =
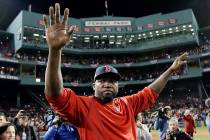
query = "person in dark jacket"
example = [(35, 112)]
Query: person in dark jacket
[(24, 130), (174, 133)]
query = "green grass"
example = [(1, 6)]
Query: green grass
[(202, 134)]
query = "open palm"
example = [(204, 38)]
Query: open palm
[(57, 34)]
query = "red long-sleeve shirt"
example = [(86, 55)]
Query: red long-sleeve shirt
[(189, 124), (103, 121)]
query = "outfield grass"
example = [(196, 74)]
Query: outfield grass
[(202, 134)]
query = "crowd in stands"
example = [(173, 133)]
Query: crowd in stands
[(206, 63), (34, 36), (9, 70), (86, 76), (128, 59), (5, 48), (94, 61), (128, 75)]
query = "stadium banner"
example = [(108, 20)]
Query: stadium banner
[(108, 23)]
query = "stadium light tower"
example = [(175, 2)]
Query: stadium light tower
[(106, 6)]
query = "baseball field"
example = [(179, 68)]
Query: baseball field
[(202, 134)]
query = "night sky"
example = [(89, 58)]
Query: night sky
[(96, 8)]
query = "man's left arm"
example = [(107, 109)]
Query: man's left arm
[(147, 97), (162, 80)]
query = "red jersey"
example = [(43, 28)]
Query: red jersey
[(96, 120), (189, 124)]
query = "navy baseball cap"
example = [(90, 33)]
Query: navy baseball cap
[(107, 71)]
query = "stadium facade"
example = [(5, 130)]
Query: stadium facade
[(141, 48)]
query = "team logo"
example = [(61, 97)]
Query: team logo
[(108, 69)]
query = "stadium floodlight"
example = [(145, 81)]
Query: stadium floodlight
[(170, 29), (192, 30), (43, 36), (87, 38), (104, 36), (190, 25), (150, 33), (95, 36), (38, 80), (184, 26), (163, 30), (156, 32), (86, 41), (132, 36), (139, 35), (24, 37), (118, 43), (35, 34), (119, 36), (144, 34), (170, 32), (177, 28), (193, 33), (139, 38), (130, 40), (111, 42), (103, 42), (74, 37), (111, 36)]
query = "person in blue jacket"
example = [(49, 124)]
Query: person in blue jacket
[(60, 130), (161, 121)]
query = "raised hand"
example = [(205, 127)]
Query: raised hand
[(160, 83), (179, 61), (57, 32)]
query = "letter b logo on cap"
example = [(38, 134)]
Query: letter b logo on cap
[(107, 68)]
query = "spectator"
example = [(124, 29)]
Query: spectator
[(189, 123), (142, 129), (61, 130), (24, 130), (7, 131), (2, 117), (208, 121), (161, 121), (174, 133)]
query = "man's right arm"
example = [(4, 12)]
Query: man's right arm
[(57, 36), (53, 76)]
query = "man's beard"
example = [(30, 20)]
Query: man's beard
[(107, 99)]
